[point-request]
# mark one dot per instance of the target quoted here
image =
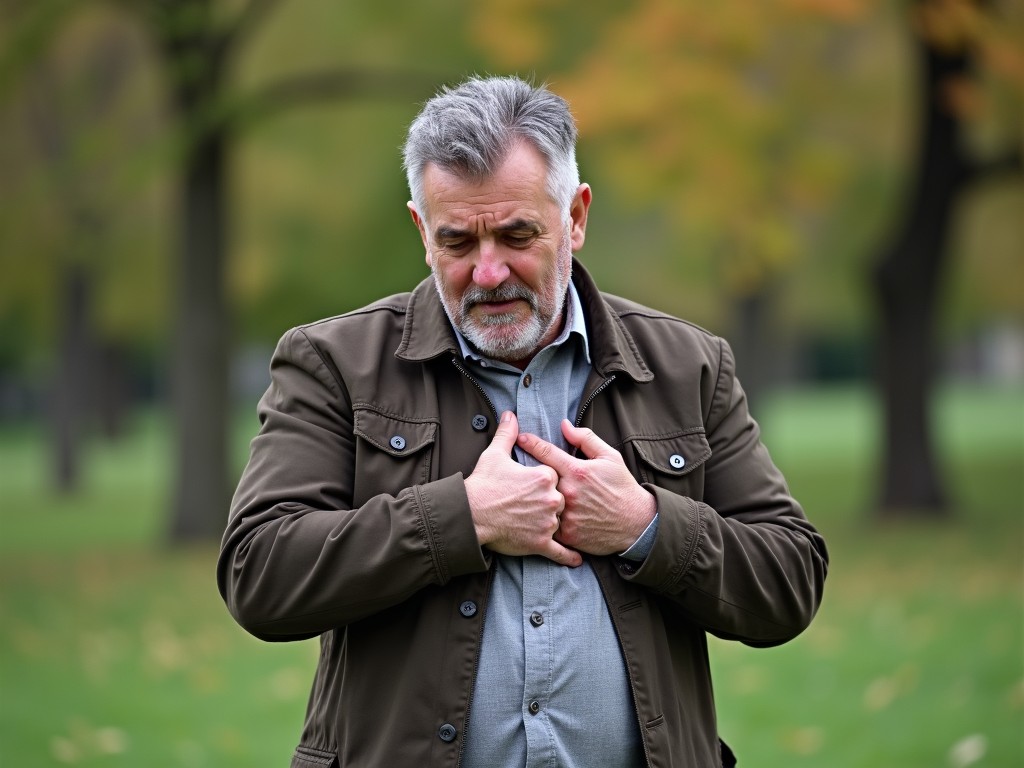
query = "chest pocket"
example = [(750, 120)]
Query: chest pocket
[(673, 462), (392, 452)]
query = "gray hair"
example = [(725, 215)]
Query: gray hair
[(470, 129)]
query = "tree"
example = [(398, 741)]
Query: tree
[(198, 48), (709, 115), (60, 166), (949, 39), (728, 118), (198, 45)]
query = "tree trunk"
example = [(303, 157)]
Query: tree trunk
[(69, 391), (754, 346), (200, 402), (907, 281)]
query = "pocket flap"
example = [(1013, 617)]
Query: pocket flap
[(678, 455), (307, 757), (392, 434)]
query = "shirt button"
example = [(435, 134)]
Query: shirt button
[(468, 609), (677, 461), (398, 443), (447, 732), (536, 618), (479, 422), (527, 380), (534, 707)]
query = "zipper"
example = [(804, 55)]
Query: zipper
[(487, 585), (601, 388), (629, 675), (476, 663), (475, 383), (612, 614)]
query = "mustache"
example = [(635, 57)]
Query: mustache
[(508, 292)]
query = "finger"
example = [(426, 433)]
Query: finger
[(545, 452), (505, 435), (562, 555), (586, 440)]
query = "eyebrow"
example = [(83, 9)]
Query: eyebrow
[(445, 232)]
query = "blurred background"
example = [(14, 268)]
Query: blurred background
[(836, 186)]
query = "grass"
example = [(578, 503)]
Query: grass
[(116, 651)]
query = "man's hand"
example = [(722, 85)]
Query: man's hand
[(606, 510), (516, 508)]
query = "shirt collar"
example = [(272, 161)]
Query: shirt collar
[(574, 324)]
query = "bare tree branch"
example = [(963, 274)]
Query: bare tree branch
[(330, 85), (1010, 161), (246, 22)]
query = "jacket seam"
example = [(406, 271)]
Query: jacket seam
[(323, 363), (788, 628), (663, 435), (690, 553), (366, 405), (434, 545)]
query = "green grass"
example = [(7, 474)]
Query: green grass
[(116, 651)]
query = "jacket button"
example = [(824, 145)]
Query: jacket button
[(447, 732), (479, 422), (468, 609), (536, 618), (677, 461), (398, 443), (534, 707)]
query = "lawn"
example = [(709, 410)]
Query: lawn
[(116, 651)]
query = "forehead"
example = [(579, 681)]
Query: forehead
[(516, 190)]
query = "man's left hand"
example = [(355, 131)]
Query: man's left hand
[(606, 510)]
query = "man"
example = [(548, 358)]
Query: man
[(511, 506)]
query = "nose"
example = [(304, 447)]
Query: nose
[(491, 268)]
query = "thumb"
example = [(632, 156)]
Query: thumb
[(505, 436)]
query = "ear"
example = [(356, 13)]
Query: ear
[(421, 225), (578, 216)]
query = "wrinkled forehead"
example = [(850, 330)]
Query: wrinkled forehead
[(517, 187)]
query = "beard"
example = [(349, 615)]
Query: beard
[(508, 336)]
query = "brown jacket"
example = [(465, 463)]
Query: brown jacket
[(351, 522)]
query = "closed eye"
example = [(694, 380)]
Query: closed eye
[(519, 240)]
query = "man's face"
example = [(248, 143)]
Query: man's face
[(501, 254)]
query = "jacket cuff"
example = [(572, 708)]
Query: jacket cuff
[(671, 553), (450, 533)]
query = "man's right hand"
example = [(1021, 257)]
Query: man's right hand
[(515, 508)]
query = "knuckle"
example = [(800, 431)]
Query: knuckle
[(580, 472)]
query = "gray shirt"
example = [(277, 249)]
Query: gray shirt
[(552, 688)]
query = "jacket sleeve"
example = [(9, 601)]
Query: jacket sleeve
[(742, 562), (296, 559)]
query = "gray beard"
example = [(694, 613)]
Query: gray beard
[(519, 339)]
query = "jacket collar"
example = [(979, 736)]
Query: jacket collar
[(428, 332)]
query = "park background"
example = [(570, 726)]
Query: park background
[(834, 185)]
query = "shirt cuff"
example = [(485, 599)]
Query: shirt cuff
[(642, 547)]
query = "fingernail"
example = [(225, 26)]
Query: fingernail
[(506, 417)]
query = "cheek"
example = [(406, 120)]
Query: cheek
[(454, 276)]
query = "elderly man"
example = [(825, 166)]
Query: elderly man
[(511, 506)]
